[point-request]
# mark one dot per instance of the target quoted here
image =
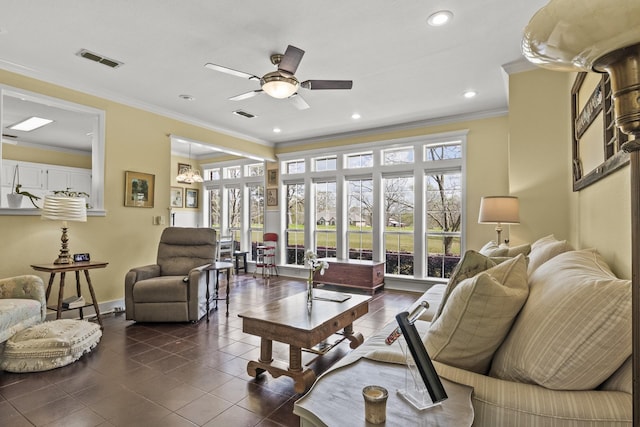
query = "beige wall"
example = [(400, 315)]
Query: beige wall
[(540, 174), (50, 157), (540, 153)]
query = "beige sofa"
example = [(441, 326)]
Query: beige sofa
[(563, 359), (22, 304)]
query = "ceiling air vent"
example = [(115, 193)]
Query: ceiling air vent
[(244, 114), (98, 58)]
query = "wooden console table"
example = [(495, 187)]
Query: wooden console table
[(336, 399), (290, 321), (76, 267)]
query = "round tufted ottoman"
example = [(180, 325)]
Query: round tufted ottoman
[(49, 345)]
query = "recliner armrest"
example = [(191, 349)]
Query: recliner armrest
[(142, 273)]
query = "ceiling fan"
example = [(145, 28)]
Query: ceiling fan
[(282, 83)]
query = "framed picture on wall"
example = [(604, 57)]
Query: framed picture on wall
[(272, 197), (191, 199), (272, 177), (182, 168), (177, 197), (139, 189)]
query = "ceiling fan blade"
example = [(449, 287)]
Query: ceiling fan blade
[(245, 95), (231, 71), (298, 102), (291, 59), (327, 84)]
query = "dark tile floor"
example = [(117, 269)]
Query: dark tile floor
[(177, 374)]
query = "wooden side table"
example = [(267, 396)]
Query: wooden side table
[(76, 267)]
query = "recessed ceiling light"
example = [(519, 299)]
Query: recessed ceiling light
[(470, 94), (30, 124), (355, 116), (277, 130), (439, 18), (186, 97)]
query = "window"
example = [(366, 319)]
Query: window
[(295, 166), (215, 218), (232, 172), (295, 206), (211, 174), (444, 215), (398, 222), (325, 163), (443, 151), (235, 193), (360, 215), (256, 216), (234, 213), (255, 169), (363, 160), (397, 156), (396, 201), (325, 215)]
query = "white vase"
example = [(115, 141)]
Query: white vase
[(14, 200)]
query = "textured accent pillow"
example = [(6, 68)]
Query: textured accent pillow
[(523, 249), (478, 316), (49, 345), (544, 249), (492, 249), (470, 264), (574, 330)]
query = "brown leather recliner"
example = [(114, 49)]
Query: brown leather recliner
[(173, 289)]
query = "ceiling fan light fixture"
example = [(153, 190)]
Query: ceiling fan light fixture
[(279, 86)]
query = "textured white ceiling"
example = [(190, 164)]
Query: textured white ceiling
[(403, 70)]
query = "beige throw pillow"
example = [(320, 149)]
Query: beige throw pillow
[(492, 249), (544, 249), (575, 328), (470, 264), (478, 316)]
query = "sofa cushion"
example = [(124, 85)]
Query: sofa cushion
[(574, 330), (492, 249), (478, 316), (470, 264), (49, 345), (543, 249), (17, 314)]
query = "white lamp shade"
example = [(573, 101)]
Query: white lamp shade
[(63, 208), (499, 209), (571, 35)]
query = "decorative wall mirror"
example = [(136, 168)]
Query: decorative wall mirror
[(66, 153), (596, 141)]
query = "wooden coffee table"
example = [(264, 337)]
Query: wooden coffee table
[(290, 321)]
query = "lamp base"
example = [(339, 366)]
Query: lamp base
[(64, 257)]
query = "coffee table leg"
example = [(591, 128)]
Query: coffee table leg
[(356, 339), (303, 380), (266, 350)]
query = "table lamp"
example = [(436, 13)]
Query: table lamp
[(499, 210), (64, 209), (601, 36)]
